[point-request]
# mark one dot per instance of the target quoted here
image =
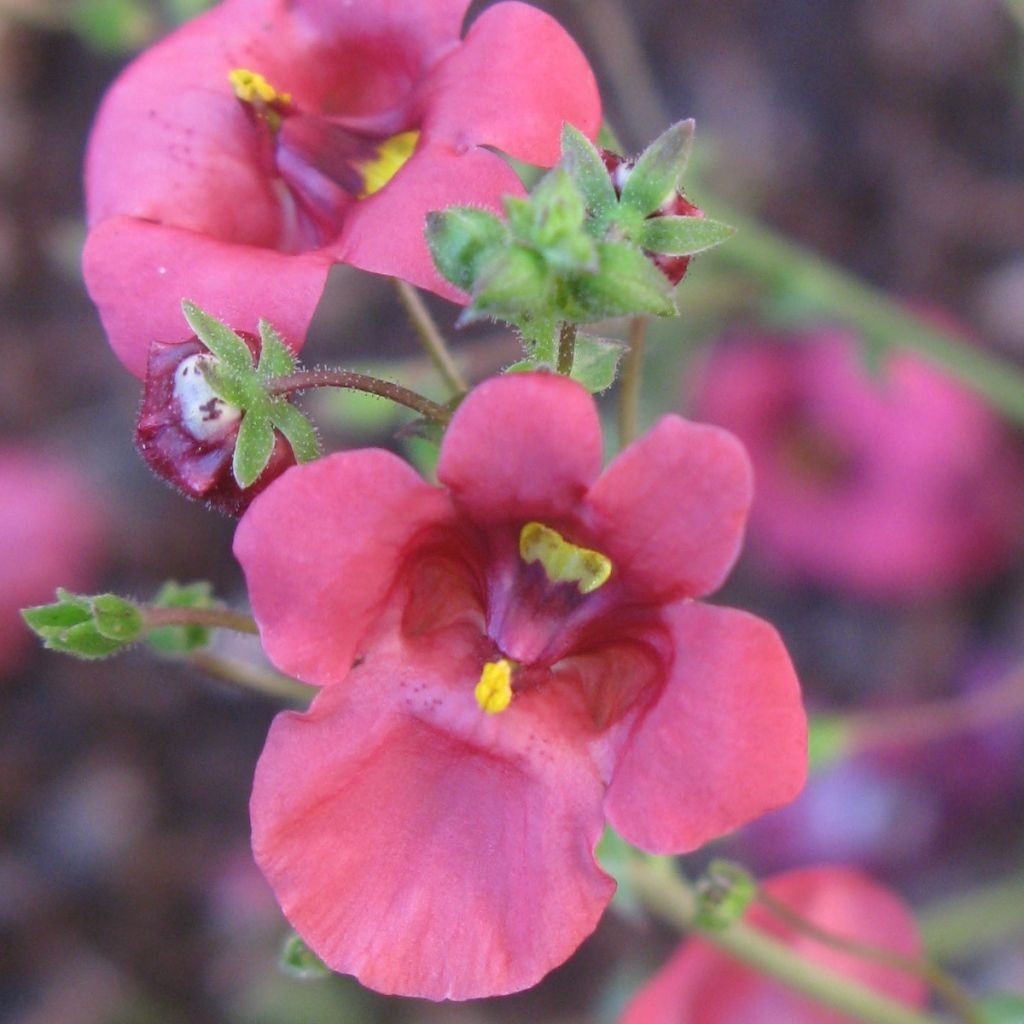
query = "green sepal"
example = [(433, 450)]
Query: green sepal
[(459, 239), (682, 236), (220, 339), (659, 170), (586, 168), (596, 362), (299, 961), (85, 626), (1002, 1009), (181, 639), (276, 358), (724, 892), (626, 283), (253, 446), (511, 280), (555, 225), (299, 432)]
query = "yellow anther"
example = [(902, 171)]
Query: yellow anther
[(252, 87), (391, 155), (563, 561), (494, 691)]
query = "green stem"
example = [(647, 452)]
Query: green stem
[(209, 618), (566, 348), (942, 983), (974, 921), (253, 678), (836, 294), (431, 337), (671, 898), (629, 386), (326, 378)]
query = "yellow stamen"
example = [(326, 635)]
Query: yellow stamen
[(494, 691), (391, 155), (563, 561), (252, 87)]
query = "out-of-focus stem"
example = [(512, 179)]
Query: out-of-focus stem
[(671, 898), (209, 618), (430, 337), (253, 678), (629, 385), (974, 921), (942, 983)]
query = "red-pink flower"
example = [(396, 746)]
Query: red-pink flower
[(506, 661), (51, 530), (896, 488), (240, 194), (703, 985)]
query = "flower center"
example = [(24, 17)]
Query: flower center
[(321, 165)]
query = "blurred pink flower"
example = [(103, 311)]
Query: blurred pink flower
[(240, 194), (703, 985), (506, 661), (51, 528), (900, 488)]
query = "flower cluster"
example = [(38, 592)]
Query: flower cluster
[(505, 662), (233, 163)]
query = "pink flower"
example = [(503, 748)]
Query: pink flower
[(236, 161), (506, 661), (703, 985), (899, 488), (50, 536)]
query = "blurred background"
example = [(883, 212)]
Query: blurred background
[(886, 136)]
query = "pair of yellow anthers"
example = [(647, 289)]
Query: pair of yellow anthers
[(563, 562), (392, 153)]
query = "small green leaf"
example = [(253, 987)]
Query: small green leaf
[(539, 335), (88, 627), (276, 358), (511, 281), (586, 168), (220, 339), (659, 169), (254, 446), (1002, 1009), (297, 429), (682, 236), (596, 362), (724, 893), (627, 283), (459, 239), (235, 389), (116, 619), (181, 639), (298, 960)]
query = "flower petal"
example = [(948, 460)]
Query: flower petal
[(138, 273), (702, 985), (671, 509), (419, 861), (517, 78), (523, 446), (725, 741), (320, 549), (385, 232)]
